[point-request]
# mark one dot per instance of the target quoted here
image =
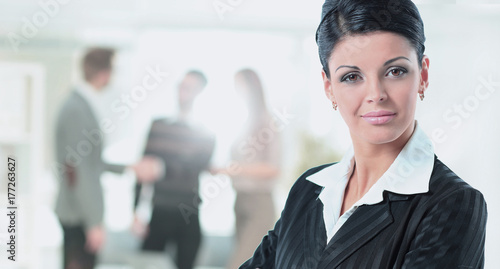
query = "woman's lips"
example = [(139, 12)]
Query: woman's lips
[(378, 117)]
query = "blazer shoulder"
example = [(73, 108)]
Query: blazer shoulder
[(75, 112), (301, 196), (318, 168), (162, 121), (74, 105), (444, 183)]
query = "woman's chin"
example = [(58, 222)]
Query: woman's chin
[(380, 137)]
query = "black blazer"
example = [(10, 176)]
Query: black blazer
[(443, 228)]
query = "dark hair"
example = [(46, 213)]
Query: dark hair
[(341, 18), (199, 75), (96, 60)]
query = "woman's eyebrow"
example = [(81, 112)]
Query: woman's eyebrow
[(386, 63), (347, 66), (395, 59)]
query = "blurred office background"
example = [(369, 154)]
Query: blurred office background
[(41, 43)]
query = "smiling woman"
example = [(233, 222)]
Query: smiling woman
[(390, 202), (376, 87)]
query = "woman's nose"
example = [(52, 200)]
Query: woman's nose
[(376, 91)]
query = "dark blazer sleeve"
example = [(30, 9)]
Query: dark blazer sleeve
[(265, 255), (452, 234)]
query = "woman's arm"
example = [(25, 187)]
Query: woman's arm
[(258, 171)]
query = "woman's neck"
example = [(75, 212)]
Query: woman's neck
[(373, 160)]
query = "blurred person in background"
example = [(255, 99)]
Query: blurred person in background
[(185, 149), (255, 168), (79, 144), (390, 202)]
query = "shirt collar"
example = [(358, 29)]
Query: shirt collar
[(87, 90), (409, 173), (93, 97)]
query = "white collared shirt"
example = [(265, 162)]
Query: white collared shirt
[(409, 174)]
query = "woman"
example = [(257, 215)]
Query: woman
[(390, 202), (256, 157)]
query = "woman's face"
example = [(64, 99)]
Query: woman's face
[(243, 90), (240, 86), (375, 80)]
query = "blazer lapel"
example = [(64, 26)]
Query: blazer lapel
[(364, 224), (314, 235)]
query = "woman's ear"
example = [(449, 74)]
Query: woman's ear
[(327, 87), (424, 75)]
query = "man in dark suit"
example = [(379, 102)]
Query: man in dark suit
[(78, 148), (185, 149)]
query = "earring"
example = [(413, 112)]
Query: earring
[(334, 106), (421, 96)]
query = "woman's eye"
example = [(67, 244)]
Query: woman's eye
[(350, 78), (396, 72)]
